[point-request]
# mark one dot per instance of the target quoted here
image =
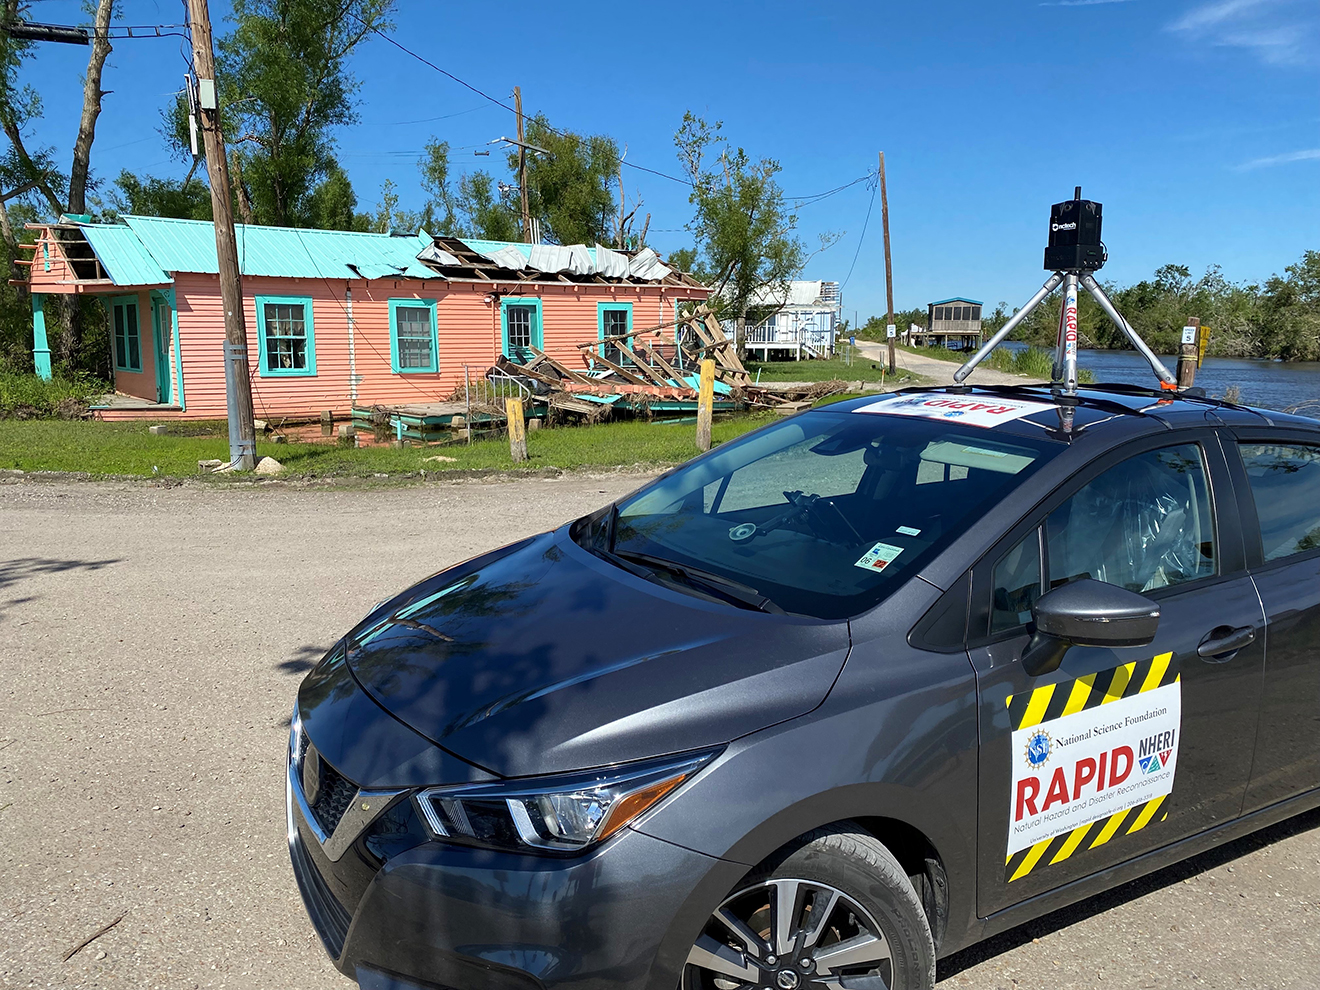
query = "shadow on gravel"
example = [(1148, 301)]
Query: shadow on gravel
[(14, 571), (304, 658), (1130, 891)]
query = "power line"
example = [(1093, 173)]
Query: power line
[(498, 102), (863, 237)]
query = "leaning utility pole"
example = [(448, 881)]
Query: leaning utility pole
[(238, 386), (889, 274), (522, 167)]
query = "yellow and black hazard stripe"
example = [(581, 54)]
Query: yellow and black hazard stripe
[(1043, 704), (1089, 836), (1053, 701)]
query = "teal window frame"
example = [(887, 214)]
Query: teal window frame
[(601, 307), (263, 366), (115, 303), (429, 305), (538, 327)]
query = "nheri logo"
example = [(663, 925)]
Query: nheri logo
[(1039, 748)]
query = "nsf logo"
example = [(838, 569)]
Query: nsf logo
[(1039, 747)]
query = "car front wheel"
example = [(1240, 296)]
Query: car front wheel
[(833, 912)]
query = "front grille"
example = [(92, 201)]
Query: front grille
[(335, 795), (329, 917)]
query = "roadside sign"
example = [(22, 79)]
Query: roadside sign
[(1189, 335), (1201, 344), (891, 331)]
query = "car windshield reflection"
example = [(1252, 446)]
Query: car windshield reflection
[(823, 514)]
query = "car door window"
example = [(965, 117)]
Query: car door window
[(1144, 524), (1016, 583), (1285, 481)]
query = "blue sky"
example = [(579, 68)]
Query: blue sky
[(1195, 122)]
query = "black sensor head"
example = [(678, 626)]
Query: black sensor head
[(1074, 243)]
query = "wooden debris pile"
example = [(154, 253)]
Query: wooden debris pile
[(636, 371)]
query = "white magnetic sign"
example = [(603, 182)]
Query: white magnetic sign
[(1087, 765), (972, 410)]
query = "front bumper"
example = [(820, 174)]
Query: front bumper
[(622, 917)]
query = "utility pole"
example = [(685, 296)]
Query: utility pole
[(889, 274), (238, 386), (522, 166)]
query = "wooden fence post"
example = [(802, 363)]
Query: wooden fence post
[(513, 409), (705, 403), (1187, 353)]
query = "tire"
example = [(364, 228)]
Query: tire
[(874, 934)]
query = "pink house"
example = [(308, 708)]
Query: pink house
[(337, 319)]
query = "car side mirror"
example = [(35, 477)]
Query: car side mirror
[(1087, 613)]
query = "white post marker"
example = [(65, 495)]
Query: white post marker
[(891, 331)]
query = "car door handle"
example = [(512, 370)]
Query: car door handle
[(1221, 642)]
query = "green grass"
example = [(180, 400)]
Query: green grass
[(816, 370), (1034, 362), (862, 369), (128, 449), (25, 396)]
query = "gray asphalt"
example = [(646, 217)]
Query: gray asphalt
[(151, 640)]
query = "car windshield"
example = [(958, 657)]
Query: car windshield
[(822, 515)]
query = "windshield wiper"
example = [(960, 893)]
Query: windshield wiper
[(734, 592)]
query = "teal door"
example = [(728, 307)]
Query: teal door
[(162, 325)]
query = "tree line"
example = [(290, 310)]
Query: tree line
[(1277, 318), (285, 88)]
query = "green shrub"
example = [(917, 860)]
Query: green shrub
[(1034, 362), (26, 396)]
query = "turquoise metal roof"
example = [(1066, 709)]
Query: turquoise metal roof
[(286, 252), (941, 302), (123, 256)]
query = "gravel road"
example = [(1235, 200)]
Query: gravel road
[(939, 372), (151, 640)]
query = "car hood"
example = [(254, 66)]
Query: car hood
[(545, 658)]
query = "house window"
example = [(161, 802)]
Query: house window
[(976, 312), (413, 335), (521, 320), (613, 320), (128, 341), (287, 341)]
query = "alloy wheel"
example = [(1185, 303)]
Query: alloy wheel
[(787, 934)]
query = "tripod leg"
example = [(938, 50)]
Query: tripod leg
[(1050, 285), (1156, 365)]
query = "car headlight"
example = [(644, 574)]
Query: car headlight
[(561, 814)]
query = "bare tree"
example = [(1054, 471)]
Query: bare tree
[(92, 94)]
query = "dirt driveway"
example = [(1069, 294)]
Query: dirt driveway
[(150, 643)]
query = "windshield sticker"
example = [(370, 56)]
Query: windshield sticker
[(879, 557), (1093, 759), (972, 411), (908, 531)]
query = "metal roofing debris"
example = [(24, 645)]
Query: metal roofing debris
[(646, 264), (437, 255), (577, 259), (123, 256)]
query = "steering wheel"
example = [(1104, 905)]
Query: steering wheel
[(807, 507)]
